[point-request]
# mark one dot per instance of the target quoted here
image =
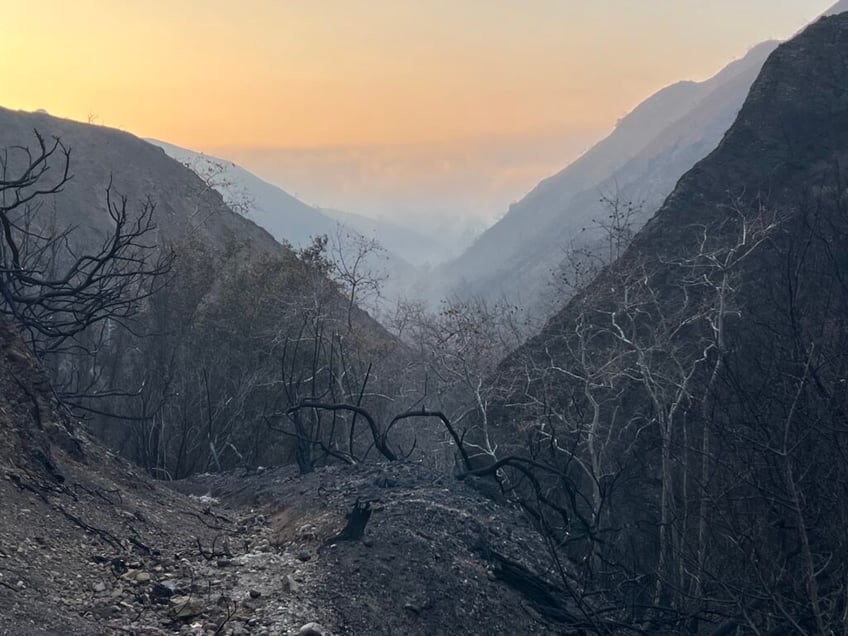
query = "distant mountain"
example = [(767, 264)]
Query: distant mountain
[(290, 219), (640, 161), (839, 7), (447, 190), (416, 247), (285, 217)]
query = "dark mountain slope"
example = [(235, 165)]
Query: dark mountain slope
[(234, 298), (185, 205), (692, 396), (69, 507)]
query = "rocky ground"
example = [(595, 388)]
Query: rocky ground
[(255, 555), (98, 556), (436, 557), (89, 545)]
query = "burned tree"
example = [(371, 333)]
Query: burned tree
[(51, 287)]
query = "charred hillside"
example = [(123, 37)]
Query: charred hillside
[(138, 171), (73, 512), (163, 318), (689, 403)]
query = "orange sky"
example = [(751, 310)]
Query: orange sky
[(308, 73)]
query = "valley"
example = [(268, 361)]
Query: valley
[(620, 409)]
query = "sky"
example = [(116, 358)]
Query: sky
[(247, 77)]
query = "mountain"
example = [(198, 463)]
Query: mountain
[(639, 162), (839, 7), (225, 307), (289, 219), (185, 206), (684, 412), (284, 216)]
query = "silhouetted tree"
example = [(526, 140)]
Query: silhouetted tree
[(48, 287)]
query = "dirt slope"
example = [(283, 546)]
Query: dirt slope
[(90, 546), (436, 557)]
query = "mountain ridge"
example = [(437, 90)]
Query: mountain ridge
[(525, 247), (102, 156)]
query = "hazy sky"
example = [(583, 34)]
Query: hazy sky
[(307, 73)]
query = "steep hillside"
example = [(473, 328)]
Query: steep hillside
[(289, 219), (76, 518), (692, 398), (639, 162), (204, 350), (293, 222), (184, 204), (282, 215)]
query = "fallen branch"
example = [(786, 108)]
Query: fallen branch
[(105, 535), (202, 520), (213, 553)]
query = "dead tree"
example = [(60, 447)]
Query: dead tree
[(357, 519), (48, 287)]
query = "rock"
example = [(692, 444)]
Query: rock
[(311, 629), (162, 591), (107, 612), (137, 576), (222, 563), (119, 567), (185, 607), (303, 556), (263, 545), (255, 593), (418, 605), (290, 584), (99, 586)]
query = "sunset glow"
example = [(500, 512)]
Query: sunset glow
[(311, 73)]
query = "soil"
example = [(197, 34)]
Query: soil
[(89, 545), (426, 563)]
